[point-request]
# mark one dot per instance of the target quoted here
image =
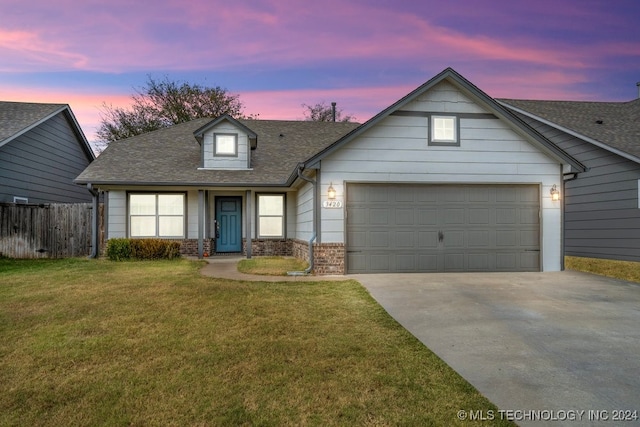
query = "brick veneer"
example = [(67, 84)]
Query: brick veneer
[(268, 247), (328, 258), (189, 247)]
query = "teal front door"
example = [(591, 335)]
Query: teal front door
[(228, 224)]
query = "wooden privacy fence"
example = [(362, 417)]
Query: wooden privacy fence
[(57, 230)]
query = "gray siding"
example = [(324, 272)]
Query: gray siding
[(602, 219), (42, 164)]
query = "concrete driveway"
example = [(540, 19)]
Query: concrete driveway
[(562, 347)]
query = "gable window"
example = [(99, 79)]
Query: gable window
[(225, 145), (444, 130), (271, 215), (156, 215)]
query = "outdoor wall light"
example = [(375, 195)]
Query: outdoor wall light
[(331, 192), (555, 194)]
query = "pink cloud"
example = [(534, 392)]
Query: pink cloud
[(176, 35), (29, 48)]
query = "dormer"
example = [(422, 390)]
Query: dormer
[(226, 144)]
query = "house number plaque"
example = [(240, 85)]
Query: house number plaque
[(332, 204)]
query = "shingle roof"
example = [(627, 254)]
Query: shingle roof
[(15, 117), (172, 156), (616, 124)]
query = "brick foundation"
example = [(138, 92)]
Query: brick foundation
[(268, 247), (300, 249), (189, 247), (328, 258)]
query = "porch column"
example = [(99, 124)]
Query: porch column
[(201, 223), (247, 216)]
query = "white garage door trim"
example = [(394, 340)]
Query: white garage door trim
[(394, 227)]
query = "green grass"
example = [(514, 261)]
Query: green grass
[(271, 266), (156, 343), (624, 270)]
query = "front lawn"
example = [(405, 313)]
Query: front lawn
[(86, 342)]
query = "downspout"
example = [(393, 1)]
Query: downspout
[(95, 221), (315, 233)]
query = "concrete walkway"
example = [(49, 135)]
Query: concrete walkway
[(562, 347), (225, 267)]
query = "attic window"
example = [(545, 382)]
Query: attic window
[(225, 145), (444, 130)]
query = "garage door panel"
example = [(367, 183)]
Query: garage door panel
[(507, 238), (506, 261), (506, 215), (454, 261), (479, 216), (453, 239), (406, 262), (529, 216), (454, 194), (454, 216), (379, 216), (379, 262), (379, 239), (530, 260), (404, 195), (428, 239), (427, 216), (529, 238), (404, 239), (357, 216), (479, 262), (479, 238), (404, 228), (404, 217), (357, 238), (480, 195)]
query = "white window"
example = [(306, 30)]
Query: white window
[(156, 215), (20, 200), (225, 145), (271, 215), (444, 130)]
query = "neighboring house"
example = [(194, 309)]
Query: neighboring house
[(445, 179), (42, 150), (602, 207)]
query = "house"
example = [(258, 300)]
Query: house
[(602, 207), (445, 179), (42, 150)]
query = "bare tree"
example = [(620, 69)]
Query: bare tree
[(321, 112), (164, 103)]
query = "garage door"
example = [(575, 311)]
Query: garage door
[(442, 228)]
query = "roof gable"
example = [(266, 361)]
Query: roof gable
[(613, 126), (474, 93), (17, 118), (253, 137)]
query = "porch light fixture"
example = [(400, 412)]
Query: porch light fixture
[(555, 194), (331, 192)]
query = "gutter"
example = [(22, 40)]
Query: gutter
[(95, 222), (315, 231)]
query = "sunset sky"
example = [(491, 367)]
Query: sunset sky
[(279, 54)]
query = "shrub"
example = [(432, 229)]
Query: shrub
[(119, 249), (142, 249)]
